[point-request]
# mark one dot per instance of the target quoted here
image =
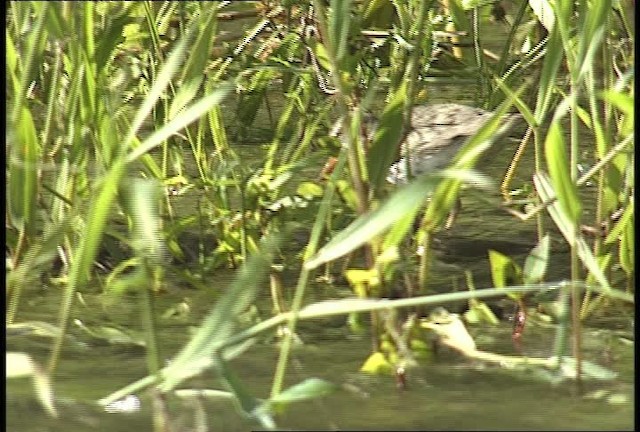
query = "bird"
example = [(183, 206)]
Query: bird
[(436, 134)]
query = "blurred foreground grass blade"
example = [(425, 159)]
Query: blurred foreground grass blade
[(35, 47), (191, 78), (85, 254), (199, 54), (20, 365), (169, 69), (12, 62), (23, 175), (591, 33), (219, 324), (339, 26), (112, 35), (554, 54), (248, 404), (447, 192), (407, 200), (182, 120), (310, 388), (142, 205)]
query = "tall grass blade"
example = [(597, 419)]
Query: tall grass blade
[(23, 172), (567, 226), (554, 53), (564, 186), (447, 192), (339, 26), (384, 146), (163, 79)]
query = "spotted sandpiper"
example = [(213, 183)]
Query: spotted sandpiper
[(437, 133)]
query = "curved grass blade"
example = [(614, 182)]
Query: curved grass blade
[(404, 202), (182, 120)]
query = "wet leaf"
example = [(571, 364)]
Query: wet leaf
[(310, 388), (536, 263), (504, 270), (479, 312), (377, 364), (20, 365)]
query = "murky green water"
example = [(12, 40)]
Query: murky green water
[(446, 394)]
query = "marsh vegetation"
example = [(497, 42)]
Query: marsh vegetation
[(192, 184)]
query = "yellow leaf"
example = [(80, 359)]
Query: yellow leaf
[(377, 364)]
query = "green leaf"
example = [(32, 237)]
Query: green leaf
[(309, 190), (559, 170), (626, 251), (446, 193), (219, 324), (199, 54), (183, 119), (504, 271), (187, 91), (23, 174), (377, 364), (310, 388), (554, 54), (142, 206), (479, 312), (112, 36), (322, 56), (623, 101), (536, 263), (164, 77), (339, 22)]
